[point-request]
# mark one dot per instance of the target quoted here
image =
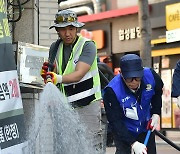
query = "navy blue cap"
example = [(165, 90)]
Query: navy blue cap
[(131, 66)]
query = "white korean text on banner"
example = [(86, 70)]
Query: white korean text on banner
[(12, 129)]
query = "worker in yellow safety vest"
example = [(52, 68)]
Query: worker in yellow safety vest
[(76, 72)]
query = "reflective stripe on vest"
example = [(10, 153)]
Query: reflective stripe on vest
[(88, 88)]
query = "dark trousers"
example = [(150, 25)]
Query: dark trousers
[(122, 148), (110, 138)]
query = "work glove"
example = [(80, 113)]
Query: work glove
[(138, 148), (53, 77), (178, 102), (45, 68), (154, 122)]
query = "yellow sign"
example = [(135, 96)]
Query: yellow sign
[(173, 16)]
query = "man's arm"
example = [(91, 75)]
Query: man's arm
[(114, 115), (157, 98), (176, 81), (80, 71)]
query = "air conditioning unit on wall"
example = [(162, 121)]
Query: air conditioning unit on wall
[(29, 59)]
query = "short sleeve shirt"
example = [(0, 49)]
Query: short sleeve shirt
[(87, 56)]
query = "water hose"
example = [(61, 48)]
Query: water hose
[(167, 140), (50, 69)]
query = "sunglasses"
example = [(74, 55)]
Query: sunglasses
[(128, 80), (60, 19)]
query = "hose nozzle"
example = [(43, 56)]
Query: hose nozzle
[(48, 79)]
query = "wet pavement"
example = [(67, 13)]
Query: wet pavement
[(161, 149), (162, 146)]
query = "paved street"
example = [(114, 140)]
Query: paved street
[(162, 146), (161, 149)]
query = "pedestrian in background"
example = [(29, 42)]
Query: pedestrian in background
[(132, 99), (76, 72), (176, 83), (106, 75)]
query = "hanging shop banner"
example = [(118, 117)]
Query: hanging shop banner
[(12, 129), (166, 99)]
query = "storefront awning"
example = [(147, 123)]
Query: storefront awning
[(163, 52), (157, 41), (108, 14)]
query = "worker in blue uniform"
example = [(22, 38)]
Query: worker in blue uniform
[(132, 99)]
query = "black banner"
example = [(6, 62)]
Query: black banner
[(11, 131), (12, 128)]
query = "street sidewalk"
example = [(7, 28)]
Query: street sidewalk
[(162, 146), (173, 136)]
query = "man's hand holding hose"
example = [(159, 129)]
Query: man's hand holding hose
[(54, 78), (46, 67), (154, 122), (44, 70), (48, 75), (138, 148)]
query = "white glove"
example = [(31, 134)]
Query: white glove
[(139, 148), (54, 78), (59, 79), (178, 101), (155, 121)]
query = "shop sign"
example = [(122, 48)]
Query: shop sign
[(96, 35), (12, 126), (166, 99), (129, 33), (173, 35), (173, 16)]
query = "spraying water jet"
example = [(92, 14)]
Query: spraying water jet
[(60, 131)]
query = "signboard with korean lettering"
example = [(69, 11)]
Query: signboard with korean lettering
[(12, 129), (125, 34), (129, 33)]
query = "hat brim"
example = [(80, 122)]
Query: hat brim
[(132, 74), (65, 24)]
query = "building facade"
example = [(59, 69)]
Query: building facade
[(116, 30), (125, 36)]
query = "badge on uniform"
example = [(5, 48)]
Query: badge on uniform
[(131, 113)]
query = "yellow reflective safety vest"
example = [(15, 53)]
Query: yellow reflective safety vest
[(88, 89)]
